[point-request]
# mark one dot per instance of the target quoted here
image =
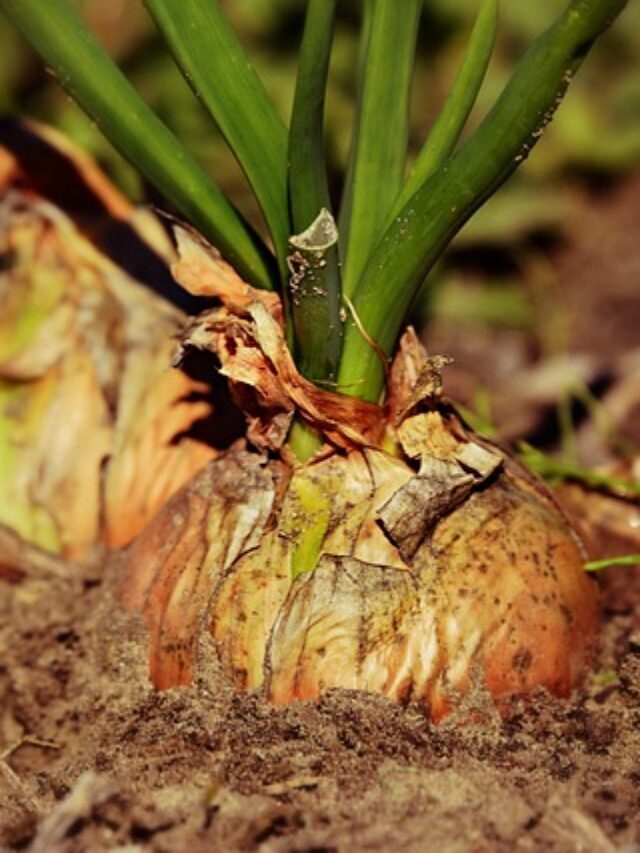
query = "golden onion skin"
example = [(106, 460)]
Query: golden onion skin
[(495, 591)]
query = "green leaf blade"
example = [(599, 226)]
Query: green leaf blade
[(308, 182), (95, 82), (314, 287), (450, 122), (379, 148), (216, 67), (435, 213), (610, 562)]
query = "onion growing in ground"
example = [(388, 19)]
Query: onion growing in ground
[(408, 557), (361, 536)]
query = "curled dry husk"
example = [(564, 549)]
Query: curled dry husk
[(407, 557), (92, 416)]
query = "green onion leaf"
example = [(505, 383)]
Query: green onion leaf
[(379, 148), (308, 184), (450, 122), (96, 83), (314, 288), (216, 67), (436, 212)]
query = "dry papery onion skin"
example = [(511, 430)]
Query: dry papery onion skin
[(409, 557), (93, 418)]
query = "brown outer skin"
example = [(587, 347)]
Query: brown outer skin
[(495, 592), (173, 566), (506, 600), (547, 636), (496, 588)]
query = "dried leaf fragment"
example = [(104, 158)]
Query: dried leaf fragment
[(414, 509)]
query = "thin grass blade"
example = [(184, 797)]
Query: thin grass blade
[(379, 148), (437, 211), (452, 118), (315, 287), (624, 560), (216, 67), (96, 83)]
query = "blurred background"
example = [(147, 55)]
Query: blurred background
[(538, 299)]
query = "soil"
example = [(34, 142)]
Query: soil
[(91, 758)]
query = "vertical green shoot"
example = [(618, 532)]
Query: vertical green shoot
[(451, 120), (314, 293), (314, 287), (445, 201), (308, 183), (379, 147)]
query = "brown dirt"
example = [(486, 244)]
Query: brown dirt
[(586, 313), (92, 759), (105, 762)]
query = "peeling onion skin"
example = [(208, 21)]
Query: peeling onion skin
[(409, 557), (496, 590), (500, 592), (94, 423)]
